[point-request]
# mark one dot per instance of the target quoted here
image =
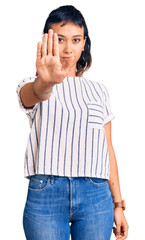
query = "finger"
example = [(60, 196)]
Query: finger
[(65, 69), (118, 230), (114, 231), (67, 66), (125, 234), (69, 62), (44, 45), (39, 50), (119, 237), (124, 230), (49, 41), (56, 45)]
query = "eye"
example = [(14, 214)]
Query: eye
[(59, 39), (77, 39)]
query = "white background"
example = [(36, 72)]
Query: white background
[(117, 33)]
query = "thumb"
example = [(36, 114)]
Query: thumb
[(67, 66)]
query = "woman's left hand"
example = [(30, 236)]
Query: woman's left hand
[(121, 230)]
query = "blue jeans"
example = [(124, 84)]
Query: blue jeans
[(59, 207)]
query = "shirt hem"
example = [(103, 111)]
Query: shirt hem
[(67, 175)]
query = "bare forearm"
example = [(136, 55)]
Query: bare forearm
[(42, 89), (114, 177), (34, 92)]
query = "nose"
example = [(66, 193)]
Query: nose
[(67, 48)]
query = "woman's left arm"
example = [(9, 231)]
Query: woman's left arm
[(114, 179), (120, 220)]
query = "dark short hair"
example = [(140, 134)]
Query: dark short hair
[(69, 13)]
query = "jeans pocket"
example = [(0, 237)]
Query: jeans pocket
[(38, 183), (98, 181)]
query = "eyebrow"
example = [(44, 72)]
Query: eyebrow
[(73, 36)]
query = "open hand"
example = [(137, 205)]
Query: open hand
[(48, 65)]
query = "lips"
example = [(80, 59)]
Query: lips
[(65, 58)]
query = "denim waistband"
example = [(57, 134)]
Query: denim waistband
[(46, 176)]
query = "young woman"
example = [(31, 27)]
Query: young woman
[(69, 161)]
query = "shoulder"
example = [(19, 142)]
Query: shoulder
[(103, 87), (98, 85)]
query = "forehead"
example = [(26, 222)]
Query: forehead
[(69, 29)]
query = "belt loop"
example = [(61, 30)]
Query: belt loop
[(52, 179)]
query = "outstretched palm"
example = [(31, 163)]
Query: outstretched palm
[(48, 65)]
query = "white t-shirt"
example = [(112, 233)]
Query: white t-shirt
[(67, 136)]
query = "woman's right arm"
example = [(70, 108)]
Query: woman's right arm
[(49, 69), (34, 92)]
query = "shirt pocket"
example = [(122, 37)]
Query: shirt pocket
[(95, 115)]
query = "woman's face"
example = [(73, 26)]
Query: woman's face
[(71, 42)]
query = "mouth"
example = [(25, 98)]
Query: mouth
[(66, 58)]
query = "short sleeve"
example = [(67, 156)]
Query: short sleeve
[(108, 115), (30, 112)]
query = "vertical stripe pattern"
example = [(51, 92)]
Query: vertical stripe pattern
[(67, 136)]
